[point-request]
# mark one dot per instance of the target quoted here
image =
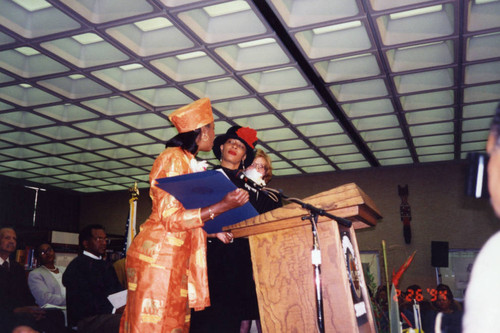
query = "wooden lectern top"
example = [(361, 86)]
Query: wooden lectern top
[(347, 201)]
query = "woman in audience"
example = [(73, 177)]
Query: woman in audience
[(45, 282), (449, 311)]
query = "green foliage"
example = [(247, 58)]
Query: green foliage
[(370, 282)]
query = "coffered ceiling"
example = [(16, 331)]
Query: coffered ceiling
[(86, 85)]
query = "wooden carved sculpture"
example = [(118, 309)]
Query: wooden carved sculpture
[(405, 212)]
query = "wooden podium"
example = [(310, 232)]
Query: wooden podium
[(281, 244)]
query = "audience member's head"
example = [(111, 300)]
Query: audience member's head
[(45, 254), (381, 295), (493, 149), (8, 242), (444, 299), (93, 239), (412, 292), (24, 329), (262, 164)]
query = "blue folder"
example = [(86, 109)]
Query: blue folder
[(200, 189)]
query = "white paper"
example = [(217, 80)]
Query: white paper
[(52, 306), (118, 299)]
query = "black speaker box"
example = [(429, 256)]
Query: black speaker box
[(439, 253)]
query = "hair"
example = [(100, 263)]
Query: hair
[(269, 170), (86, 233), (186, 141), (6, 227), (449, 296), (443, 287), (37, 251), (414, 287), (378, 295)]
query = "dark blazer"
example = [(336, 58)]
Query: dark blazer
[(14, 291), (88, 283)]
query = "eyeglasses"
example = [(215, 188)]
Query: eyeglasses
[(259, 166), (102, 239), (47, 250)]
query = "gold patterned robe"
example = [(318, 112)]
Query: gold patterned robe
[(166, 262)]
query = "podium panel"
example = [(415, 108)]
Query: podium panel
[(281, 243)]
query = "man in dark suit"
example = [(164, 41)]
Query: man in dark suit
[(17, 305), (89, 280)]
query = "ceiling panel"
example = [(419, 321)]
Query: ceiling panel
[(86, 87)]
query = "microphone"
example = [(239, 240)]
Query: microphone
[(248, 181)]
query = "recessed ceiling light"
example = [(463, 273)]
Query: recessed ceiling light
[(88, 38), (76, 76), (191, 55), (352, 57), (257, 42), (278, 70), (488, 34), (337, 27), (482, 2), (222, 79), (130, 67), (153, 24), (226, 8), (415, 12), (33, 5), (419, 45), (27, 51), (25, 85)]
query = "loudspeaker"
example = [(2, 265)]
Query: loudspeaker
[(439, 254)]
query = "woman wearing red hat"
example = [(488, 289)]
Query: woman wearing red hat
[(232, 289), (166, 262)]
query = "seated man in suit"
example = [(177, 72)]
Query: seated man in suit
[(17, 306), (89, 280)]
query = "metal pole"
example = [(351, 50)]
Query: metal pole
[(316, 261)]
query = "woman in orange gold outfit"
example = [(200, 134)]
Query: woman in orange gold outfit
[(166, 263)]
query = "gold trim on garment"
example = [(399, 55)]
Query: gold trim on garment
[(145, 258), (171, 240), (152, 319)]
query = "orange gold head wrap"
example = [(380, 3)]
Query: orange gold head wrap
[(192, 116)]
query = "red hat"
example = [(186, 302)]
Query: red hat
[(247, 135)]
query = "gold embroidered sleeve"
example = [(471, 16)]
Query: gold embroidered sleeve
[(166, 209)]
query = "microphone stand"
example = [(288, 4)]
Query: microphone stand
[(314, 212)]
